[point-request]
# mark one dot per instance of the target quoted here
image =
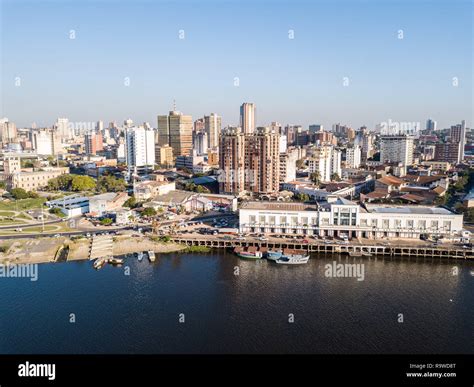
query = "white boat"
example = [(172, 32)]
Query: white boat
[(355, 254), (140, 256), (295, 259), (151, 256), (99, 263)]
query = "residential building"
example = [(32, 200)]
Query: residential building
[(212, 127), (176, 130), (397, 148), (247, 117)]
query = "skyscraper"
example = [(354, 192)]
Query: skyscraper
[(93, 143), (458, 136), (176, 130), (431, 125), (398, 149), (63, 129), (212, 126), (247, 117), (231, 161), (140, 148)]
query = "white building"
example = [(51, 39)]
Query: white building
[(288, 166), (336, 158), (353, 157), (71, 206), (398, 149), (341, 217), (140, 148), (326, 160)]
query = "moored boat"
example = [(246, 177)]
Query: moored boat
[(250, 253), (293, 259), (115, 261), (140, 256), (99, 263), (151, 256), (273, 255)]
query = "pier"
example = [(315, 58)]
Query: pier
[(335, 248), (101, 246)]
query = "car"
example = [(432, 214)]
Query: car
[(88, 235), (263, 239), (305, 241), (57, 235)]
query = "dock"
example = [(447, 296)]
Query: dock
[(101, 246), (335, 248)]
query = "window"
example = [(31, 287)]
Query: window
[(410, 223), (252, 219), (304, 220), (422, 224), (271, 220), (434, 224), (386, 223), (363, 222), (447, 225), (294, 220), (261, 219), (283, 220), (398, 223)]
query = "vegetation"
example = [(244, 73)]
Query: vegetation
[(131, 202), (196, 188), (111, 184), (197, 249), (165, 238), (20, 193), (106, 221), (3, 185), (302, 197), (300, 163), (149, 211), (21, 205), (315, 177), (57, 212), (4, 249), (71, 182), (335, 177)]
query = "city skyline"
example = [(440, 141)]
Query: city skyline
[(380, 62)]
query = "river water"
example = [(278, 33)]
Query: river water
[(217, 303)]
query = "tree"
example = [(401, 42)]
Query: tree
[(130, 202), (335, 177), (56, 211), (3, 185), (110, 184), (300, 163), (314, 177), (106, 221), (202, 189), (19, 193), (82, 183), (149, 211), (302, 197)]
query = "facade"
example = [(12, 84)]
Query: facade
[(231, 161), (140, 148), (101, 204), (8, 131), (340, 217), (320, 162), (443, 166), (93, 143), (448, 151), (248, 112), (212, 127), (353, 157), (71, 206), (164, 155), (63, 130), (458, 136), (150, 189), (201, 143), (288, 166), (398, 149), (176, 130), (46, 142)]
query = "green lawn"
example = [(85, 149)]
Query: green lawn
[(20, 205), (7, 213)]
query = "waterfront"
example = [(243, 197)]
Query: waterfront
[(249, 312)]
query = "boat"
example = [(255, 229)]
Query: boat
[(115, 261), (366, 254), (293, 259), (273, 255), (250, 253), (99, 263), (151, 256), (140, 256), (355, 253)]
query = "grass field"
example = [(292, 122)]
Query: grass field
[(20, 205)]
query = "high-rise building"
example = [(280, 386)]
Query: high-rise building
[(248, 112), (93, 143), (448, 151), (397, 149), (353, 157), (46, 142), (458, 136), (8, 131), (262, 166), (315, 128), (201, 143), (320, 162), (212, 126), (231, 161), (63, 129), (431, 125), (140, 148), (336, 157), (164, 155), (176, 130)]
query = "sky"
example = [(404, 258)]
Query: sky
[(345, 62)]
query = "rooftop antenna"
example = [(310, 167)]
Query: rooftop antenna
[(174, 105)]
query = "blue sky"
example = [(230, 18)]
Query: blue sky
[(297, 81)]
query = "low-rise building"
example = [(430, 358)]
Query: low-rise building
[(342, 217), (149, 189), (71, 206), (106, 202)]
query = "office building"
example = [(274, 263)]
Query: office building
[(176, 130), (397, 149), (212, 127), (248, 113)]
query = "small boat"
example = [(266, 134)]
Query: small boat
[(366, 254), (151, 256), (249, 254), (140, 256), (296, 259), (273, 255), (115, 261), (99, 263), (355, 253)]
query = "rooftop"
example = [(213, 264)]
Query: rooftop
[(385, 209), (278, 206)]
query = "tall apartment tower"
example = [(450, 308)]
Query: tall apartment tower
[(398, 149), (262, 166), (139, 149), (458, 136), (231, 161), (247, 117), (212, 126), (63, 129), (93, 143), (176, 130), (8, 131)]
